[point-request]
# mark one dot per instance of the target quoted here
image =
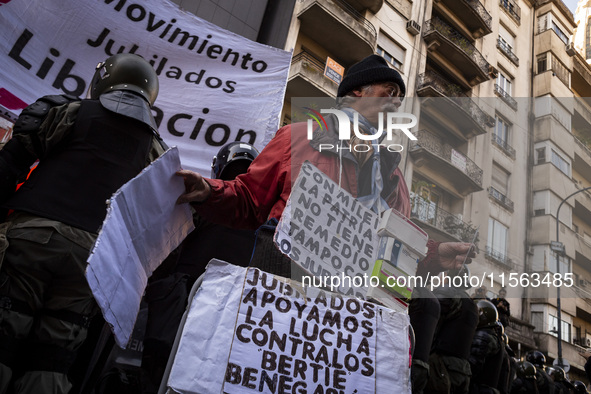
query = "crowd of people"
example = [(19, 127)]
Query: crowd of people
[(88, 148)]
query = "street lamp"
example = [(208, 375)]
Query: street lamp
[(558, 248)]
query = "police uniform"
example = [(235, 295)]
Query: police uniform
[(86, 151)]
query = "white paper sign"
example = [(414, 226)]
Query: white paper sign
[(215, 86), (252, 332), (320, 342), (328, 232), (143, 225)]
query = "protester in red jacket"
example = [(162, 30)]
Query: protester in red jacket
[(371, 87)]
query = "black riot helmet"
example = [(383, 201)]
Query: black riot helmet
[(232, 160), (487, 314), (556, 373), (536, 357), (125, 71), (526, 370), (580, 387)]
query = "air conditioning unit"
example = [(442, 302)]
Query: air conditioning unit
[(570, 49), (588, 342), (493, 72), (413, 27)]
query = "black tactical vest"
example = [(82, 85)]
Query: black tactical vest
[(74, 181), (454, 336), (492, 366)]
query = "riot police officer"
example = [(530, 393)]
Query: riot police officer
[(87, 150), (453, 339), (486, 356), (525, 381), (543, 380)]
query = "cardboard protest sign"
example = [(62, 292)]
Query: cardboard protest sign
[(215, 86), (327, 231), (321, 342), (248, 331), (344, 246)]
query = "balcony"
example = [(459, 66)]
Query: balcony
[(581, 76), (507, 51), (582, 206), (404, 7), (503, 145), (440, 224), (472, 14), (499, 258), (521, 332), (335, 24), (457, 173), (549, 344), (306, 78), (500, 198), (372, 5), (506, 97), (460, 112), (511, 8), (582, 160), (455, 53)]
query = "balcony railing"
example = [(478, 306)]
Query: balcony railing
[(445, 152), (506, 49), (500, 198), (583, 145), (512, 9), (454, 92), (480, 10), (356, 15), (427, 212), (498, 257), (508, 149), (458, 40), (310, 61), (506, 97)]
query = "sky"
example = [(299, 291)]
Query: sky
[(571, 4)]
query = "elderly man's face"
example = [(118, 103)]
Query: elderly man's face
[(378, 98)]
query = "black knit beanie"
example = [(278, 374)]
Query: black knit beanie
[(372, 69)]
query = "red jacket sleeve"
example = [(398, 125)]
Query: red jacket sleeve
[(430, 264), (247, 201)]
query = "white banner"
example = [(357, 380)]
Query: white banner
[(251, 332), (215, 86), (137, 235)]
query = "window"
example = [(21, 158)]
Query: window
[(553, 328), (547, 21), (497, 237), (542, 61), (391, 51), (563, 262), (543, 23), (560, 33), (560, 162), (424, 201), (537, 320), (506, 39), (501, 131), (541, 155), (500, 179), (504, 83)]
